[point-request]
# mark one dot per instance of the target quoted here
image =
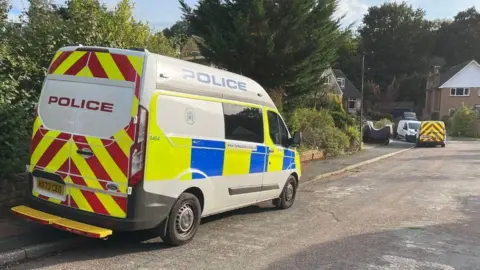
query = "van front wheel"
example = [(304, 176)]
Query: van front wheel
[(287, 197), (183, 220)]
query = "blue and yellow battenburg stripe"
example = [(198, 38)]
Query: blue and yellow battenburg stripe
[(183, 158), (208, 158)]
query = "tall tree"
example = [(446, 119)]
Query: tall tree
[(401, 40), (283, 45), (458, 41)]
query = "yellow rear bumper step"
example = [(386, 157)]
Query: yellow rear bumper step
[(61, 223)]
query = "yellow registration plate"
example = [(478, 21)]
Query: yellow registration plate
[(50, 186)]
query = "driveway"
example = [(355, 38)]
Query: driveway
[(417, 210)]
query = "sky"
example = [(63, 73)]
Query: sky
[(164, 13)]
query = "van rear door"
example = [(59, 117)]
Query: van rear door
[(89, 104)]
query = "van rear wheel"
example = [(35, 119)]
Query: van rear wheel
[(287, 197), (183, 220)]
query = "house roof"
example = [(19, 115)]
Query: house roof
[(350, 91), (467, 76), (452, 71)]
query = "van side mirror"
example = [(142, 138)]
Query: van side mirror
[(297, 139)]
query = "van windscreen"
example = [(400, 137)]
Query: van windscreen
[(87, 109)]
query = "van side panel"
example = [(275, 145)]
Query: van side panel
[(88, 179), (187, 142)]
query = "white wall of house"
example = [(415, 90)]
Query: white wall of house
[(468, 77)]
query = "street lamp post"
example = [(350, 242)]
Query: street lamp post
[(361, 104)]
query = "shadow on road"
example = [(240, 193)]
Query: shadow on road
[(130, 243), (414, 246), (444, 246)]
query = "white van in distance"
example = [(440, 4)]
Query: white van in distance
[(408, 129), (128, 140)]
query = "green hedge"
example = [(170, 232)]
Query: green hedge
[(330, 131), (15, 136), (463, 122)]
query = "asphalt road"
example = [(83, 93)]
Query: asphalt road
[(416, 210)]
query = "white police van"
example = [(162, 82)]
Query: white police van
[(129, 140)]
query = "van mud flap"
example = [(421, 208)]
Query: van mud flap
[(61, 223)]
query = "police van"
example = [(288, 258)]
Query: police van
[(127, 140)]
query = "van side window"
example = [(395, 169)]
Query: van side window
[(278, 131), (405, 126), (243, 123)]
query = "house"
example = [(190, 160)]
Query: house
[(446, 91), (342, 86)]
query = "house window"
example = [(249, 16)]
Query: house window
[(341, 82), (329, 80), (460, 92), (352, 103)]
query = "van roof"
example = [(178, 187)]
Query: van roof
[(192, 78), (172, 74)]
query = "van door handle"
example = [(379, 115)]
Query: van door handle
[(85, 152), (270, 150)]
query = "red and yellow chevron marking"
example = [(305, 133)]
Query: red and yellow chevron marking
[(100, 65), (434, 130), (56, 152)]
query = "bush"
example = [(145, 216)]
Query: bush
[(343, 119), (383, 122), (15, 133), (463, 122), (301, 119), (332, 140), (353, 133), (319, 131)]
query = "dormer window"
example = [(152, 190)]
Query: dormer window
[(341, 82)]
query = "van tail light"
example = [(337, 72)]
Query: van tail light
[(137, 151), (35, 115)]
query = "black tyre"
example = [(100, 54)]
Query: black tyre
[(287, 198), (183, 220), (443, 145)]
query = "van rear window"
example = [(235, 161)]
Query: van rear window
[(86, 109)]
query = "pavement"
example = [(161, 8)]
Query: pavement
[(21, 240)]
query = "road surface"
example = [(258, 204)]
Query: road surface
[(417, 210)]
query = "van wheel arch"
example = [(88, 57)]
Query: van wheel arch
[(296, 178), (197, 192)]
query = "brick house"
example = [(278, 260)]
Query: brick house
[(446, 91)]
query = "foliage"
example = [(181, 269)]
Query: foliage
[(382, 122), (332, 140), (283, 45), (303, 119), (399, 36), (179, 33), (457, 41), (354, 135), (15, 137), (343, 119), (319, 131), (27, 47), (463, 122)]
